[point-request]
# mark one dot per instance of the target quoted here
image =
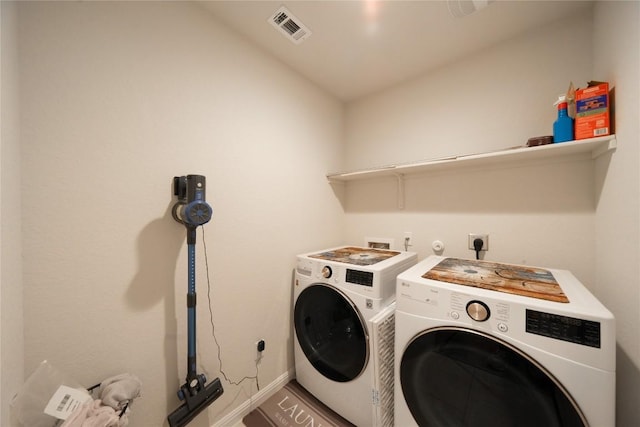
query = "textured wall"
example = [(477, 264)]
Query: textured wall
[(617, 59), (116, 99), (570, 213), (11, 332), (538, 213)]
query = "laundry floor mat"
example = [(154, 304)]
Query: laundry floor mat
[(292, 405)]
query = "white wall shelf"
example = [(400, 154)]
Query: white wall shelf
[(596, 146)]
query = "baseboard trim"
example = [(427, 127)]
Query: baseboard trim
[(235, 416)]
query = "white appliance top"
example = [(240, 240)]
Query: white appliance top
[(355, 255), (368, 272), (368, 259), (525, 285), (528, 281), (561, 316)]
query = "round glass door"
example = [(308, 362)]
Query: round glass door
[(331, 332), (455, 377)]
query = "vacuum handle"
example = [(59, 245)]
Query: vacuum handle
[(191, 310)]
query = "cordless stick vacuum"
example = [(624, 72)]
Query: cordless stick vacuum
[(192, 211)]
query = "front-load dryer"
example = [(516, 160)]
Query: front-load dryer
[(486, 344), (344, 326)]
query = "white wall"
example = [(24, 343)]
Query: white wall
[(116, 99), (11, 324), (617, 59), (570, 213), (495, 99)]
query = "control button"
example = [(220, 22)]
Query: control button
[(478, 311), (502, 327), (455, 315), (326, 272)]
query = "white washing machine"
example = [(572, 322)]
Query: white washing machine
[(344, 326), (486, 344)]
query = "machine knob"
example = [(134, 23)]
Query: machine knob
[(478, 311), (326, 272)]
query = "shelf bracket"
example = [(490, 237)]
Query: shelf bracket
[(400, 190), (609, 145)]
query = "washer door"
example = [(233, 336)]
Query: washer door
[(458, 377), (331, 332)]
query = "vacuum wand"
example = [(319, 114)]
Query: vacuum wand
[(192, 211)]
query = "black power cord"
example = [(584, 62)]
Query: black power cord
[(213, 328), (477, 245)]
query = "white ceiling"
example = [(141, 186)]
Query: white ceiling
[(361, 47)]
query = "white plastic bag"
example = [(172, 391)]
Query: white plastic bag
[(28, 405)]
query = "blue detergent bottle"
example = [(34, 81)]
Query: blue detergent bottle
[(563, 126)]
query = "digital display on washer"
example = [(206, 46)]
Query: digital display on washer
[(571, 329), (364, 278)]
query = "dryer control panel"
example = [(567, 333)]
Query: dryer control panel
[(479, 310), (565, 328), (498, 315), (357, 277), (460, 307)]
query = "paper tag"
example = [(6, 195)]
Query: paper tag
[(64, 401)]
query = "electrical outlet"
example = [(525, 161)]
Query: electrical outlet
[(260, 345), (483, 237)]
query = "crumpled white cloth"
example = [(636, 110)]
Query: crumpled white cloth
[(94, 414), (115, 394), (119, 390)]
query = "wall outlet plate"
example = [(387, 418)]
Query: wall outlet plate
[(379, 242), (485, 241)]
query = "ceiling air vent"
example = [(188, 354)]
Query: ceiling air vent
[(289, 25)]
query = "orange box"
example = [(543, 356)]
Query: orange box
[(592, 111)]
